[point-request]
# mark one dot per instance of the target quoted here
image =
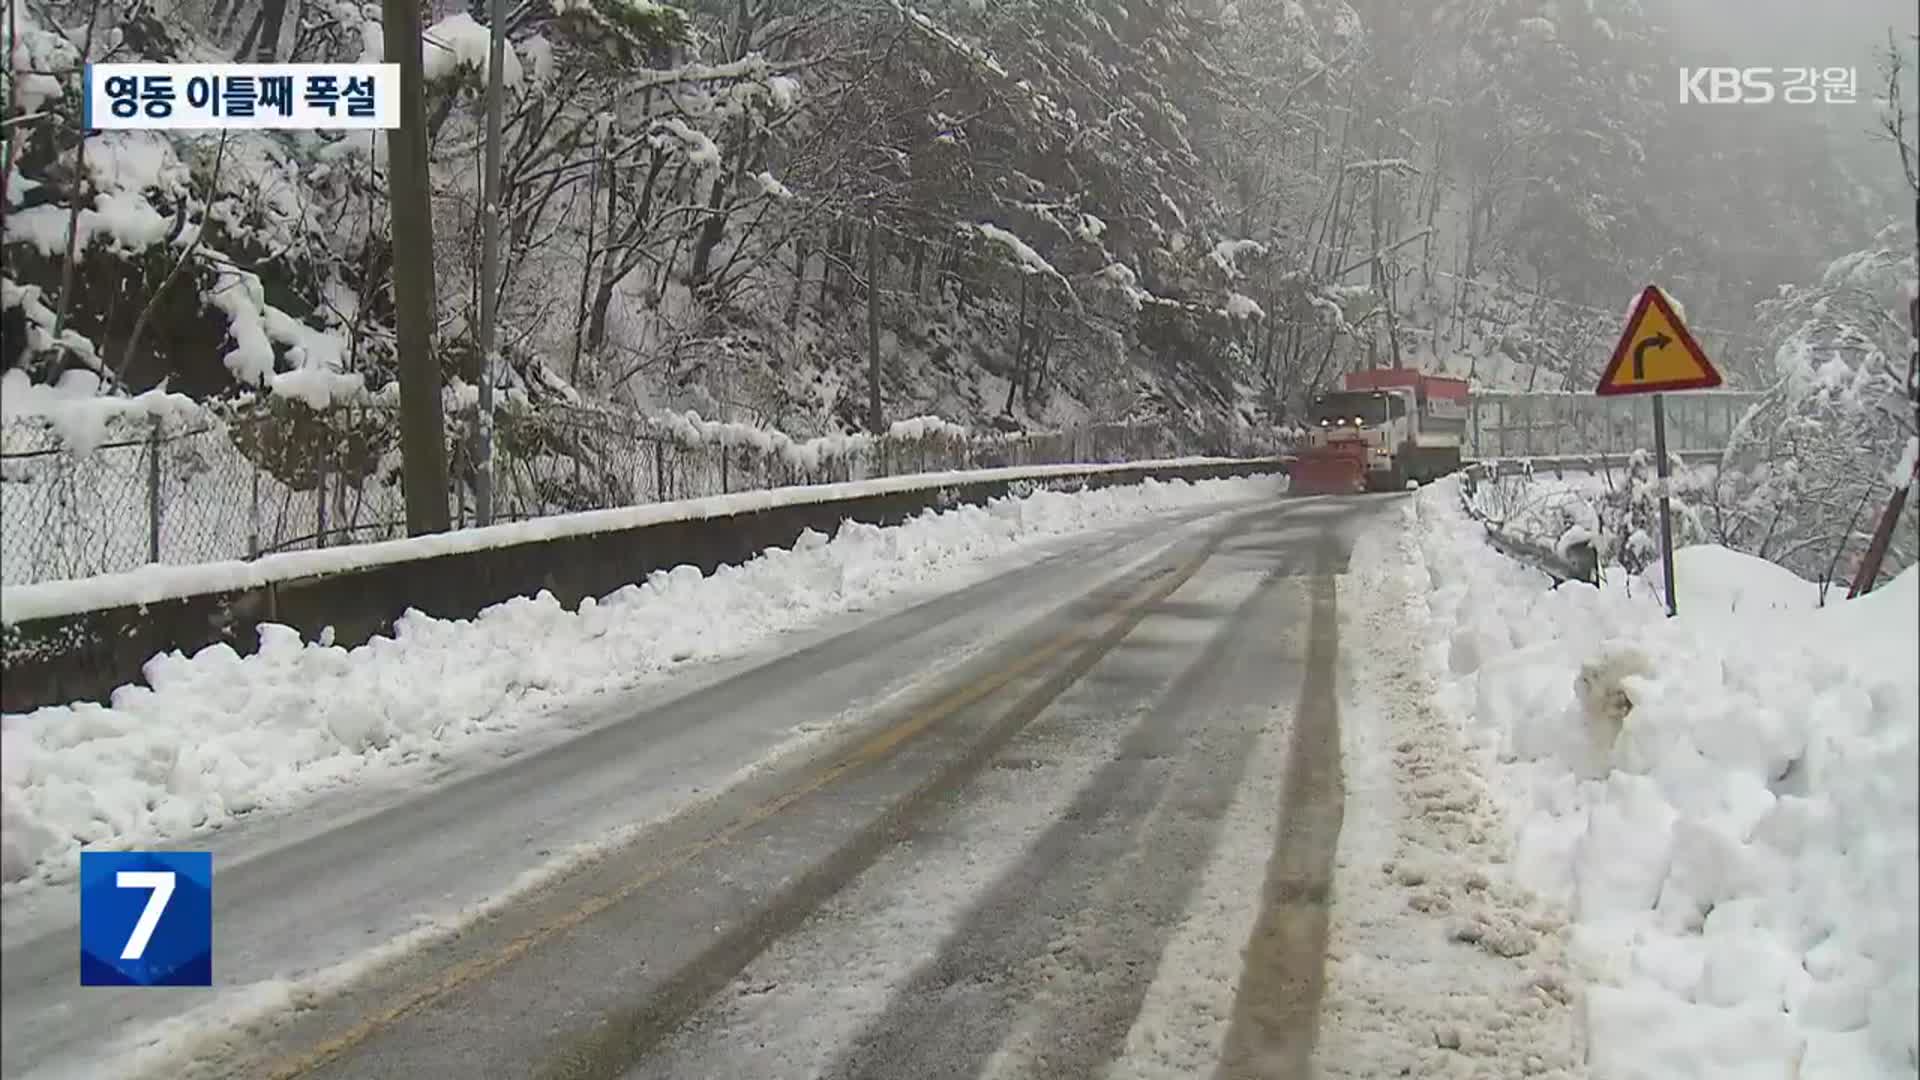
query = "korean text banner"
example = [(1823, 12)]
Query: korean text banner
[(211, 97)]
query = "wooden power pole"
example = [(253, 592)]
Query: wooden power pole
[(876, 417), (1869, 571), (423, 447)]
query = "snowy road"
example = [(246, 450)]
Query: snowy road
[(1077, 819)]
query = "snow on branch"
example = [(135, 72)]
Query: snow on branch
[(699, 146), (952, 41), (1335, 317), (771, 186), (458, 43), (982, 59), (40, 323), (1226, 252), (317, 376), (76, 411), (1395, 165), (1028, 259), (689, 429), (1122, 278), (926, 427), (1127, 283), (1243, 307), (751, 68)]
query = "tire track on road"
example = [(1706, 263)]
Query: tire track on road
[(624, 1038), (1136, 838), (1276, 1012)]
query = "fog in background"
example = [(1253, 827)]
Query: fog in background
[(1788, 33), (1805, 33)]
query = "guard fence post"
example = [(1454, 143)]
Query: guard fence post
[(153, 489)]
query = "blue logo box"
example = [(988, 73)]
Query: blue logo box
[(146, 918)]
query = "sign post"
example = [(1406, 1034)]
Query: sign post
[(1657, 354), (1666, 510)]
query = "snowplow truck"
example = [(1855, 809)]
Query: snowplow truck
[(1382, 429)]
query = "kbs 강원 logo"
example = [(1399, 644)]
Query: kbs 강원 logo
[(1760, 85), (146, 918)]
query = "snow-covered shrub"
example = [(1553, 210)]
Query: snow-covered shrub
[(1810, 467), (1629, 512)]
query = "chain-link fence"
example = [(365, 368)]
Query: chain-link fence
[(208, 488)]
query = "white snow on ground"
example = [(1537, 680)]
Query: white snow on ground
[(217, 735), (1437, 967), (1724, 803), (1716, 582)]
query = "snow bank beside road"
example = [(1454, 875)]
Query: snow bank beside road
[(1725, 803), (215, 735), (1436, 967)]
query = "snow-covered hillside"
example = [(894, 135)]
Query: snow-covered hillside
[(1029, 215), (709, 209)]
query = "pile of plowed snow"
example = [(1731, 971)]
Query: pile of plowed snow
[(1727, 803)]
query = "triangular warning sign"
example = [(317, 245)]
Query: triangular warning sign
[(1656, 354)]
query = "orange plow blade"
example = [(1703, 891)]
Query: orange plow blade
[(1329, 471)]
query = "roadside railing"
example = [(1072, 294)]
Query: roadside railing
[(1497, 494), (203, 486)]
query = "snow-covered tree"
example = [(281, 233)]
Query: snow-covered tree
[(1810, 466)]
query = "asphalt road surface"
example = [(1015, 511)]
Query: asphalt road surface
[(1005, 854)]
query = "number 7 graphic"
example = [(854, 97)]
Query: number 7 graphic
[(146, 918), (161, 882)]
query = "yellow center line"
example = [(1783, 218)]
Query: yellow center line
[(875, 747)]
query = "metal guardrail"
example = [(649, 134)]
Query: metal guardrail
[(1580, 561), (1563, 463)]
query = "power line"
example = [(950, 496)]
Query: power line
[(1619, 314)]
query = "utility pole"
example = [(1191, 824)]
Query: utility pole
[(876, 417), (423, 448), (1869, 570), (490, 264)]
